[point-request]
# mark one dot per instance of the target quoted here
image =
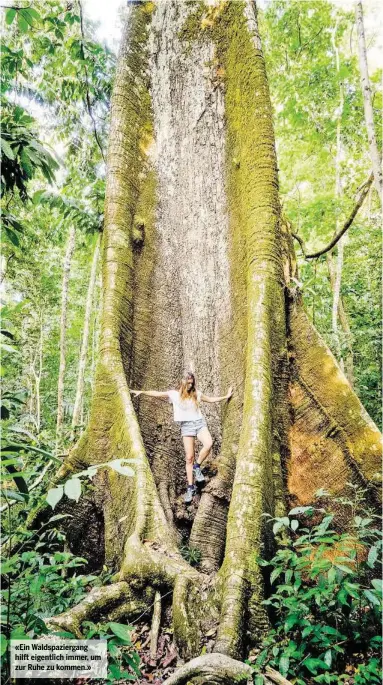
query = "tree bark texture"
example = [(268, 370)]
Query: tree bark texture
[(376, 160), (194, 269), (85, 338)]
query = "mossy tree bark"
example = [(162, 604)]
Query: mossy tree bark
[(196, 272), (78, 402)]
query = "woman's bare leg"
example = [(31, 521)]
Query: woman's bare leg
[(207, 442), (189, 456)]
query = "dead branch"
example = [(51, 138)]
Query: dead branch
[(361, 198), (156, 622)]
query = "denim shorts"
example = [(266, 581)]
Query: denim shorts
[(191, 428)]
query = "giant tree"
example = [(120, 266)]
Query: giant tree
[(198, 271)]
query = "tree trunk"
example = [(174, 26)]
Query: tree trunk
[(77, 409), (344, 322), (63, 321), (335, 269), (195, 265), (37, 370), (368, 111)]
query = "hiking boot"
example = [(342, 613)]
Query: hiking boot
[(188, 498), (198, 475)]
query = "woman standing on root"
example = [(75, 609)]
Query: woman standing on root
[(188, 415)]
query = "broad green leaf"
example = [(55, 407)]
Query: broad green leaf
[(300, 510), (54, 495), (291, 621), (372, 556), (353, 590), (3, 644), (22, 23), (72, 488), (31, 12), (19, 633), (58, 517), (377, 584), (11, 494), (9, 565), (345, 569), (314, 664), (30, 448), (117, 466), (372, 598), (122, 631), (284, 663), (6, 149), (10, 15), (274, 575)]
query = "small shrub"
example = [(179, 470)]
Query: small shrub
[(191, 554), (121, 653), (326, 596)]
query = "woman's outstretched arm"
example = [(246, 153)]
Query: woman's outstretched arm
[(150, 393), (206, 398)]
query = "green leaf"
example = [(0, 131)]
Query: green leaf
[(314, 664), (328, 658), (284, 663), (117, 466), (19, 633), (372, 598), (10, 15), (9, 565), (16, 446), (6, 148), (117, 674), (12, 237), (22, 23), (32, 13), (54, 495), (11, 494), (277, 572), (372, 556), (3, 644), (72, 488), (306, 631), (122, 631), (291, 621), (300, 510), (294, 525), (377, 583), (345, 569)]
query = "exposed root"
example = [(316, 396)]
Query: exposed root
[(212, 668), (156, 622), (114, 601), (276, 677)]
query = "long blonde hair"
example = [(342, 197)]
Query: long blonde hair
[(185, 392)]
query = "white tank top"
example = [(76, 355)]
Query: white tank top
[(185, 410)]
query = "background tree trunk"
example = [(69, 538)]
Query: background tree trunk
[(335, 268), (194, 267), (77, 408), (63, 321), (368, 111)]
